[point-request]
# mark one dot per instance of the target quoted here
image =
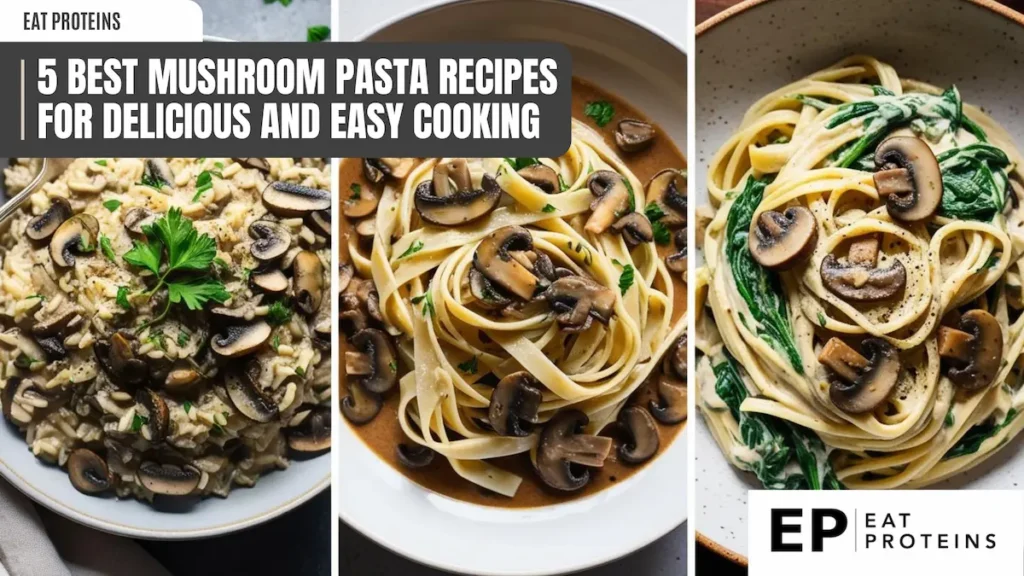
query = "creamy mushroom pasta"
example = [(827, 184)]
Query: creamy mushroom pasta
[(166, 321), (509, 310), (860, 309)]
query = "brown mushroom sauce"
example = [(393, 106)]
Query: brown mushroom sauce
[(382, 432), (138, 395)]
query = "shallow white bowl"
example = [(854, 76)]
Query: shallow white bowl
[(273, 495), (650, 73), (757, 47)]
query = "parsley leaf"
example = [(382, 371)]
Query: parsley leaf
[(654, 212), (626, 278), (393, 365), (300, 370), (221, 265), (152, 181), (112, 204), (548, 208), (601, 112), (562, 186), (204, 182), (276, 342), (821, 319), (138, 422), (357, 191), (318, 33), (122, 298), (196, 291), (101, 162), (108, 250), (416, 247), (278, 314), (520, 163), (145, 255), (186, 249), (187, 406), (428, 303), (469, 366), (661, 233), (632, 197), (183, 337)]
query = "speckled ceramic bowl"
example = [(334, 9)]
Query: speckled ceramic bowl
[(760, 45)]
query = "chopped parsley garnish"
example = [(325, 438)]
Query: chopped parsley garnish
[(152, 181), (654, 212), (626, 278), (221, 264), (469, 366), (416, 247), (357, 191), (661, 233), (204, 182), (428, 303), (632, 197), (112, 204), (187, 406), (548, 208), (300, 370), (520, 163), (821, 319), (24, 361), (282, 2), (107, 249), (246, 272), (40, 296), (601, 112), (101, 162), (279, 314), (138, 422), (276, 342), (183, 337), (318, 33), (122, 298), (562, 186), (393, 365), (950, 419), (157, 339)]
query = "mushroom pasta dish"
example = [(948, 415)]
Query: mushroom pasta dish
[(166, 321), (515, 326), (859, 314)]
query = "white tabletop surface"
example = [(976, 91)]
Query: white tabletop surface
[(665, 557)]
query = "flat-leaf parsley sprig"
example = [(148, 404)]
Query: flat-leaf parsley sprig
[(179, 257)]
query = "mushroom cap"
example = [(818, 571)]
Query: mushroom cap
[(261, 164), (291, 199), (493, 260), (909, 178), (642, 432), (487, 294), (270, 240), (515, 404), (241, 339), (123, 367), (564, 453), (780, 241), (874, 381), (270, 280), (541, 176), (363, 205), (414, 456), (249, 399), (457, 208), (360, 406), (75, 234), (577, 298), (88, 472), (982, 352), (320, 222), (43, 226), (308, 274), (314, 433), (168, 479), (634, 135), (158, 413), (611, 200), (397, 168), (635, 228), (861, 284), (136, 218), (159, 169), (668, 189), (671, 405), (453, 171), (677, 357), (378, 353)]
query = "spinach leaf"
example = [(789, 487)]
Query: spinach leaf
[(974, 182), (972, 440), (758, 287)]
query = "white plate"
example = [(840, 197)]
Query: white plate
[(650, 73), (756, 48), (275, 494)]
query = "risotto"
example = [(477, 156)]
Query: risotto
[(166, 321)]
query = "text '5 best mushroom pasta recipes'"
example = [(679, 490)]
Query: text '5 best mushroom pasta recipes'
[(514, 327)]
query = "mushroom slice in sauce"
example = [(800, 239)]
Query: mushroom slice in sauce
[(515, 404), (671, 405), (76, 234), (313, 434), (321, 222), (361, 203), (290, 199), (635, 229), (373, 361), (780, 241), (88, 472), (459, 207), (360, 406), (494, 261), (634, 135), (168, 479), (43, 226), (270, 280), (611, 200), (973, 351), (271, 240), (667, 189), (577, 299), (861, 384), (397, 168), (249, 399), (677, 262), (415, 456), (564, 453), (643, 440), (541, 176), (240, 340), (908, 178), (135, 218), (308, 273), (859, 280)]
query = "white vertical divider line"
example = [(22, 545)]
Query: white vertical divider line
[(691, 397), (336, 246), (23, 100)]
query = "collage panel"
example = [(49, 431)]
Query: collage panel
[(857, 321)]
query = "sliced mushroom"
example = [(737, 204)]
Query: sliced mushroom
[(88, 472), (249, 399), (643, 436), (345, 274), (313, 434), (457, 208), (290, 199), (541, 176), (514, 405), (678, 262), (861, 384), (634, 135), (676, 357), (168, 479), (54, 348), (76, 234), (181, 378), (494, 261), (414, 456), (270, 240), (488, 295), (137, 218), (239, 340), (611, 200), (321, 222), (43, 226), (158, 169), (360, 406), (58, 321), (397, 168), (780, 241), (361, 203), (261, 164), (577, 299), (565, 454), (125, 368), (908, 178), (270, 280), (157, 419), (308, 273), (671, 405), (452, 172), (973, 351), (859, 280), (635, 229), (667, 190), (373, 360), (367, 229)]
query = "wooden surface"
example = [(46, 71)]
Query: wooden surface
[(708, 8)]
